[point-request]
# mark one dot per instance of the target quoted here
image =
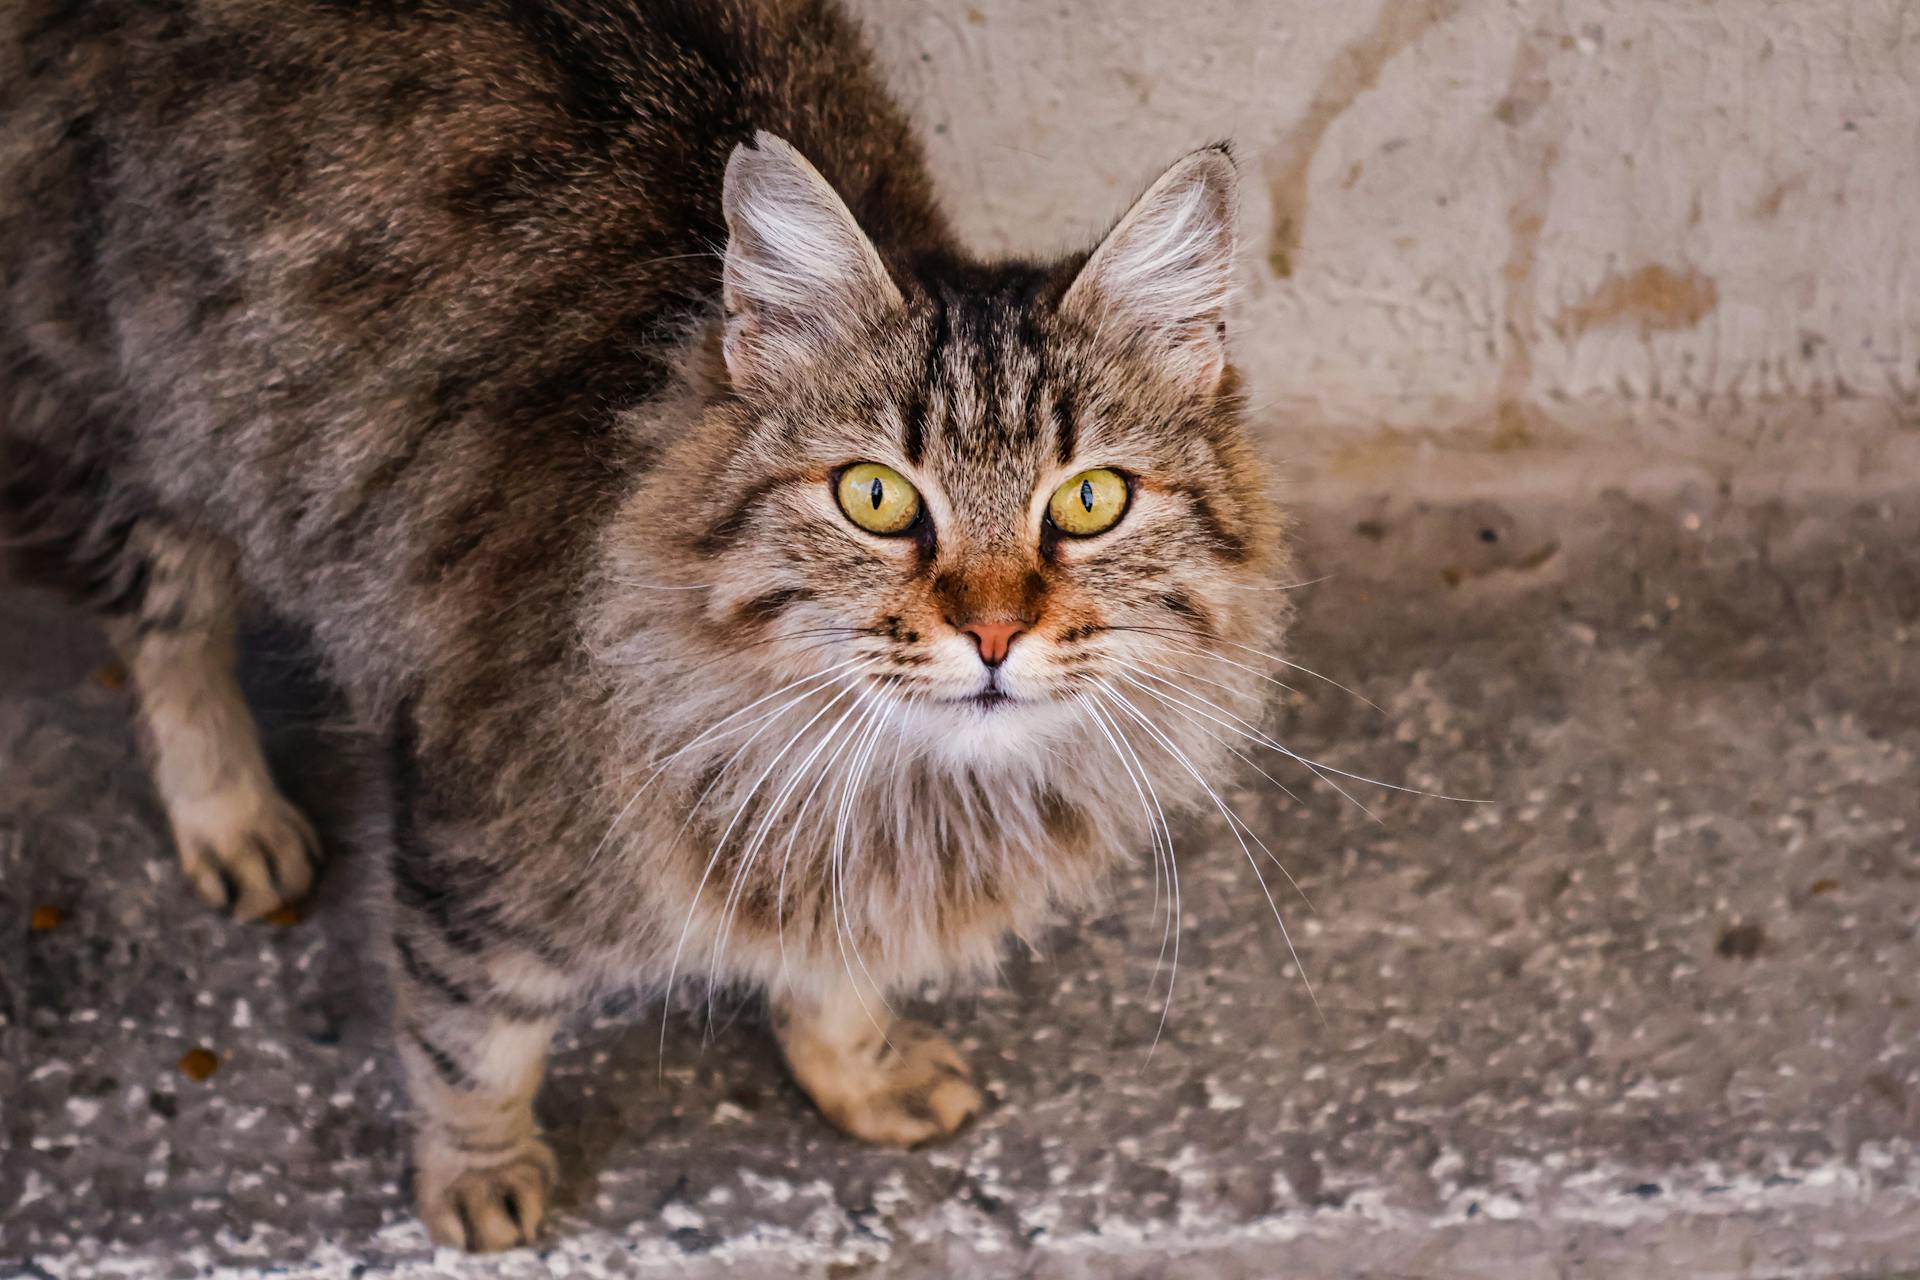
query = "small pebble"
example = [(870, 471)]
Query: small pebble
[(199, 1064), (1741, 942)]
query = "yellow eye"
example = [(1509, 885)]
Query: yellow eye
[(878, 498), (1092, 502)]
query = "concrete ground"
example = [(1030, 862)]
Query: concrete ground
[(1651, 1013)]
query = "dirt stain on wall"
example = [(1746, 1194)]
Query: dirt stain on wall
[(1769, 205), (1537, 148), (1354, 71), (1657, 298)]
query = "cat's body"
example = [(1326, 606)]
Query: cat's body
[(407, 317)]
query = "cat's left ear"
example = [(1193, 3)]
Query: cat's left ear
[(800, 274), (1164, 273)]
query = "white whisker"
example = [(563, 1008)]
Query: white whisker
[(662, 586), (793, 833), (1295, 586), (754, 844), (693, 906), (709, 734), (1172, 749), (856, 774), (1253, 733), (1249, 694), (1161, 842), (1307, 671), (1264, 739), (1255, 672), (1262, 653), (1271, 855)]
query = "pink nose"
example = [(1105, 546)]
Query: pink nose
[(993, 639)]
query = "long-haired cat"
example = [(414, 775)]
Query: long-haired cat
[(750, 585)]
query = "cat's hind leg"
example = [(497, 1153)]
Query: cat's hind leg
[(168, 595), (242, 845)]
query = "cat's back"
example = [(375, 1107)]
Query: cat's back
[(447, 126), (395, 263), (407, 160)]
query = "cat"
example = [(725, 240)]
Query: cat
[(746, 585)]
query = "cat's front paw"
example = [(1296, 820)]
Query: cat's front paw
[(245, 848), (484, 1202), (898, 1090)]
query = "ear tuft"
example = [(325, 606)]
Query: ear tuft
[(1165, 272), (800, 275)]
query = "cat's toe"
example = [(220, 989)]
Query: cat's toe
[(246, 852), (490, 1207), (919, 1090)]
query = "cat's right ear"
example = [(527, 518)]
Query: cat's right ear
[(800, 275)]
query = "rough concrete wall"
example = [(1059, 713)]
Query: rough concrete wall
[(1636, 234)]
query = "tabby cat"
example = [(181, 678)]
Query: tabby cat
[(750, 586)]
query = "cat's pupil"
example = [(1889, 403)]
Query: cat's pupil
[(1086, 494), (876, 491)]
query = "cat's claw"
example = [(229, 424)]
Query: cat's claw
[(246, 850), (485, 1204)]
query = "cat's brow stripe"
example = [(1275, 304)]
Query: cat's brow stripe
[(1065, 425), (1229, 546), (763, 609), (726, 532), (915, 444)]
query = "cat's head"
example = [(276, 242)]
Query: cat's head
[(990, 492)]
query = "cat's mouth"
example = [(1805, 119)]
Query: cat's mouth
[(987, 699)]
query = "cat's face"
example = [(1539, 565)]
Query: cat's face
[(993, 521), (989, 495)]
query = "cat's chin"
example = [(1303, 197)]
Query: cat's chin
[(993, 729)]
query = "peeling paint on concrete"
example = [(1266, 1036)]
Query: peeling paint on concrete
[(1353, 71), (1653, 299), (1537, 151)]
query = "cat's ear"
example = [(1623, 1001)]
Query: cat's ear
[(800, 275), (1164, 273)]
